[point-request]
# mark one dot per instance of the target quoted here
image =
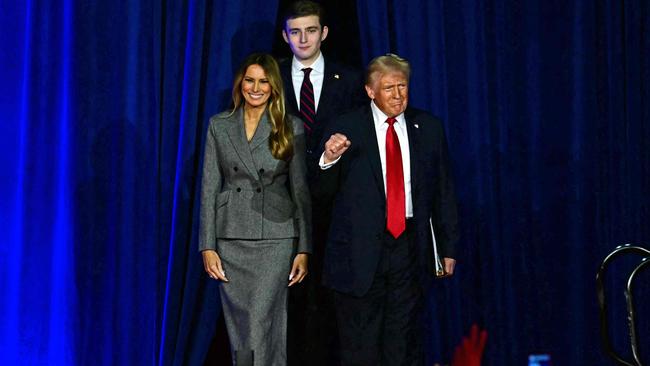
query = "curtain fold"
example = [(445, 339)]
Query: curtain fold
[(545, 106), (104, 107)]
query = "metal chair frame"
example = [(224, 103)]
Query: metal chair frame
[(631, 313)]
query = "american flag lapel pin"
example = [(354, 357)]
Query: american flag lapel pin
[(336, 76)]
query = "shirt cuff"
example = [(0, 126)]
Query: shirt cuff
[(324, 166)]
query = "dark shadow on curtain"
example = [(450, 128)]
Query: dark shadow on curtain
[(110, 196)]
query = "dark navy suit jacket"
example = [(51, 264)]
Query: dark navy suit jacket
[(342, 91), (356, 186)]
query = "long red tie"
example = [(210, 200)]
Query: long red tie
[(395, 196)]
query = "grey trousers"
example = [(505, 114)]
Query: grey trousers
[(254, 300)]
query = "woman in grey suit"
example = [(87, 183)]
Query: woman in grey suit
[(255, 222)]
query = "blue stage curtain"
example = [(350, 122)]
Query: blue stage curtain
[(104, 108), (547, 112)]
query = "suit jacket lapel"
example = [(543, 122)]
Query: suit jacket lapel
[(370, 136), (289, 92), (413, 130), (237, 135), (326, 90), (261, 133)]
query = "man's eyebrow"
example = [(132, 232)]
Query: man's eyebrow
[(307, 28)]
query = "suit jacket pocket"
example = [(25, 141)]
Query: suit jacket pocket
[(278, 208), (223, 198)]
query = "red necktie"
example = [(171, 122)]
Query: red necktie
[(395, 196), (307, 104)]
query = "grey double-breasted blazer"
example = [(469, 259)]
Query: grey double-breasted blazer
[(246, 193)]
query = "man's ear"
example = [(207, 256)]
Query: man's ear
[(371, 93), (284, 35), (323, 34)]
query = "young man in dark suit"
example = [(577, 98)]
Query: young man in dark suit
[(385, 166), (336, 88), (317, 89)]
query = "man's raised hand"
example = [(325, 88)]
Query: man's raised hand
[(335, 147)]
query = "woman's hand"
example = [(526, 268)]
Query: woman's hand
[(212, 265), (299, 269)]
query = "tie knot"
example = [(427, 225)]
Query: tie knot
[(390, 121), (307, 71)]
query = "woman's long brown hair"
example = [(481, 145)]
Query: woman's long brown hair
[(281, 137)]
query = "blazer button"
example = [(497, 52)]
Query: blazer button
[(261, 171), (238, 189), (259, 190), (235, 169)]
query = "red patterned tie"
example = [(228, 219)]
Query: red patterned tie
[(395, 196), (307, 104)]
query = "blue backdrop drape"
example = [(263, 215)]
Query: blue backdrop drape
[(104, 107), (546, 108)]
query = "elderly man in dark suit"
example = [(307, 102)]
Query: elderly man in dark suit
[(386, 168), (317, 89)]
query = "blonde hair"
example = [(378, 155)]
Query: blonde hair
[(281, 136), (389, 62)]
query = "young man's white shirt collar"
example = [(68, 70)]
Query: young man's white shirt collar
[(316, 77)]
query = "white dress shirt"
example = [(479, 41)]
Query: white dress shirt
[(381, 126), (316, 77)]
